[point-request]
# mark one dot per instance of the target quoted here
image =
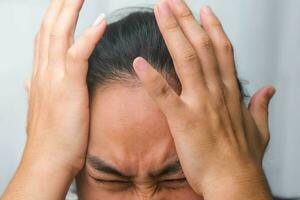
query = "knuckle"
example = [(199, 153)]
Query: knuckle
[(205, 43), (164, 91), (190, 56), (58, 35), (46, 25), (171, 25), (226, 46), (185, 14), (59, 31), (54, 36), (216, 24), (72, 54), (161, 89)]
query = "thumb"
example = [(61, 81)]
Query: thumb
[(258, 107)]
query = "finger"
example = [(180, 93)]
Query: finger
[(258, 108), (79, 53), (158, 88), (225, 59), (62, 34), (185, 58), (45, 32), (36, 55), (222, 46), (199, 40), (69, 15)]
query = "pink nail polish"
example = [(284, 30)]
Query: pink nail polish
[(271, 92), (99, 20), (207, 10), (140, 64), (164, 9)]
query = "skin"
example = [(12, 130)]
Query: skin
[(219, 141), (138, 143)]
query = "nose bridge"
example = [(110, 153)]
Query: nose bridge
[(145, 192), (142, 196), (148, 196)]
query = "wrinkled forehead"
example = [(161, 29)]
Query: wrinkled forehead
[(128, 129)]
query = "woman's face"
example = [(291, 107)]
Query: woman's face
[(131, 154)]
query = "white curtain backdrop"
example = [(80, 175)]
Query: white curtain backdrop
[(266, 37)]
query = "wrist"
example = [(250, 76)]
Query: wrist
[(44, 157), (247, 183), (47, 166), (37, 179)]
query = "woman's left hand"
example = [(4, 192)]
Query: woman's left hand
[(219, 141)]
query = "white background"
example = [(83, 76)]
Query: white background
[(266, 37)]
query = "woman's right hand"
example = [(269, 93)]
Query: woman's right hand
[(58, 114)]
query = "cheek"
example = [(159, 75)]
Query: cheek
[(87, 190)]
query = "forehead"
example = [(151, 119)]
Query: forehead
[(128, 129)]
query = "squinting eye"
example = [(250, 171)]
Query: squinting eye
[(112, 181), (173, 182), (114, 185)]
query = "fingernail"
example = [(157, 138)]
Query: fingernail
[(271, 92), (99, 19), (164, 9), (140, 64), (207, 10)]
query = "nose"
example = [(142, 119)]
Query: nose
[(143, 197), (144, 192), (148, 197)]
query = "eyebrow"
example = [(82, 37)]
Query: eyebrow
[(102, 166), (172, 168)]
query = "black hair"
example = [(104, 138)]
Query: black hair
[(136, 34)]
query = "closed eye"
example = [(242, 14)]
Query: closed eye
[(112, 181), (180, 180), (114, 185), (172, 183)]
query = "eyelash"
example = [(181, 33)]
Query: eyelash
[(127, 182), (116, 186), (112, 181), (161, 185), (170, 187), (180, 180)]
